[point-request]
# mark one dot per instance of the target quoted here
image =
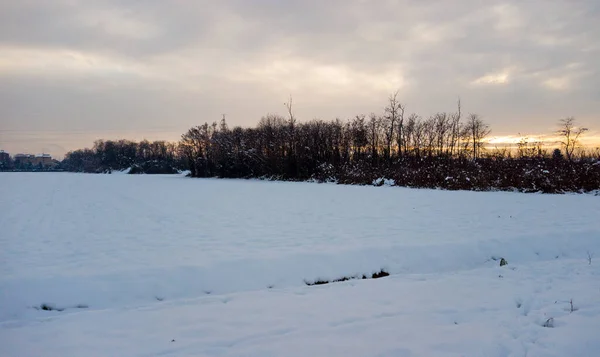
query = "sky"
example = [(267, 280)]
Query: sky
[(72, 71)]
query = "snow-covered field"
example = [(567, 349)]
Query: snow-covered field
[(172, 266)]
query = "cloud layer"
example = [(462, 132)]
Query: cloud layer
[(71, 70)]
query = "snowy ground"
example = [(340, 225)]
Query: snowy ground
[(172, 266)]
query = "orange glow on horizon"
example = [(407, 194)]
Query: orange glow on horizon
[(587, 140)]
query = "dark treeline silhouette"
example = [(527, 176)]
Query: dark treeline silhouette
[(445, 150), (11, 165), (157, 157)]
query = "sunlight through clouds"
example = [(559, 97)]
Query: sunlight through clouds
[(491, 79)]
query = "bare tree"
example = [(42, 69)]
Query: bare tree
[(359, 135), (429, 135), (417, 133), (570, 135), (223, 127), (291, 118), (373, 129), (394, 117), (407, 134), (474, 131), (442, 128), (291, 138), (455, 129), (289, 107)]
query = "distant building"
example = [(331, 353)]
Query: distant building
[(23, 159), (44, 160)]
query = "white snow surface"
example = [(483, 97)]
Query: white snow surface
[(174, 266)]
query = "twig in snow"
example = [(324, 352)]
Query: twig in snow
[(572, 308), (549, 323)]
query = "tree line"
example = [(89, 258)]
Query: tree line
[(445, 150), (156, 157), (283, 148)]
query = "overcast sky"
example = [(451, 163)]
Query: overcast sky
[(73, 71)]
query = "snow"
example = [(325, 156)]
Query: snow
[(220, 267), (383, 181), (121, 172)]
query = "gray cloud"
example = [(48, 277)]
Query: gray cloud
[(146, 66)]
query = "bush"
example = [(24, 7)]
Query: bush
[(152, 168)]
